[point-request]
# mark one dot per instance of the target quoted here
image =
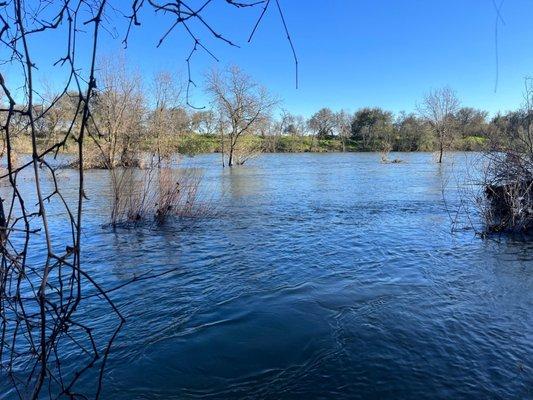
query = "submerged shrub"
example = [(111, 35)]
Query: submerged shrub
[(156, 194), (508, 193)]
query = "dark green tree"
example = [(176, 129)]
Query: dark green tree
[(412, 133), (372, 128)]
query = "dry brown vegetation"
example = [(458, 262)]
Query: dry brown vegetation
[(499, 182), (507, 204), (155, 195)]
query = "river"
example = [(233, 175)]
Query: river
[(320, 276)]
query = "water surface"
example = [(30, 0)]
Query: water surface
[(322, 276)]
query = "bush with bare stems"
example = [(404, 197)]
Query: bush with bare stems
[(507, 202), (153, 195)]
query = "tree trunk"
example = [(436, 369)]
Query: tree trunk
[(3, 224), (230, 159), (222, 147), (441, 150)]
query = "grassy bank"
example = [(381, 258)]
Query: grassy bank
[(195, 144), (192, 144)]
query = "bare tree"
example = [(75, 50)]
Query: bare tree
[(439, 107), (299, 127), (204, 122), (163, 127), (241, 105), (118, 113), (51, 123), (271, 130), (322, 124), (285, 120), (267, 131)]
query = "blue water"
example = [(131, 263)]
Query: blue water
[(321, 276)]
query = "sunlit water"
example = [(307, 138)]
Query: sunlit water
[(321, 277)]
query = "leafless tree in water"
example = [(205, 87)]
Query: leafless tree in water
[(43, 284), (242, 106), (439, 107)]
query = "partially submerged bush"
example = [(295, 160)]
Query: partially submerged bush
[(154, 195), (508, 193), (508, 204)]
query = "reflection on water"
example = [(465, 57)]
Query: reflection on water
[(323, 276), (238, 183)]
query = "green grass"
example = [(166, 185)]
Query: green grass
[(192, 144)]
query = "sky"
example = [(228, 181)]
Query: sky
[(352, 53)]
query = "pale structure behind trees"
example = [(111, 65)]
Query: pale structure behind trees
[(439, 107), (242, 105)]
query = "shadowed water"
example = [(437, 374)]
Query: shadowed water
[(322, 276)]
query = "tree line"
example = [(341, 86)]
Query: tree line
[(129, 118)]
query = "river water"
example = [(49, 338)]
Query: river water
[(321, 276)]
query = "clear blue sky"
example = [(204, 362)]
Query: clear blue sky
[(356, 53)]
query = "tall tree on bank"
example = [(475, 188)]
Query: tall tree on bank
[(439, 107), (164, 122), (323, 123), (344, 127), (241, 105), (372, 128), (117, 112)]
